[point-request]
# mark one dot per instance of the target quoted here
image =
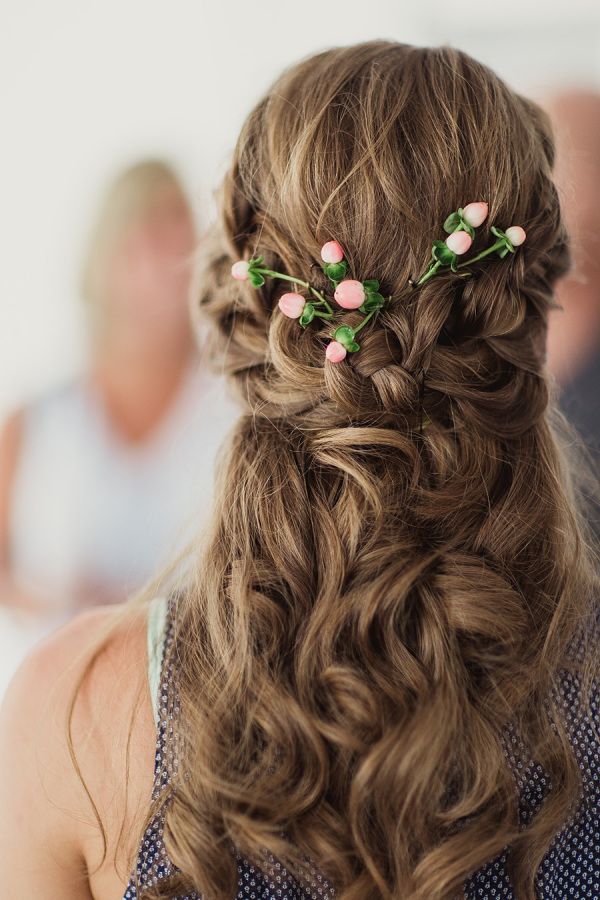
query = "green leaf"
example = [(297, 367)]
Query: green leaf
[(371, 285), (506, 247), (451, 222), (455, 220), (255, 278), (308, 314), (345, 335), (442, 253), (344, 332), (352, 347), (373, 301), (336, 271)]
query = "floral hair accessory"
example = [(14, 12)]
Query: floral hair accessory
[(335, 352), (349, 294), (239, 270), (460, 227), (474, 214), (364, 296), (332, 252), (459, 242), (292, 305)]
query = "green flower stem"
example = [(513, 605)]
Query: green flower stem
[(323, 315), (433, 269), (282, 276), (429, 273), (322, 299), (304, 284), (491, 249), (364, 321)]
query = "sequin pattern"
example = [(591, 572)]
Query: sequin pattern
[(570, 869)]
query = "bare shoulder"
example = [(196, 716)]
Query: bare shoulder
[(76, 749)]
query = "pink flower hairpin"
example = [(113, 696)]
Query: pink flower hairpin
[(364, 296), (348, 294), (460, 226)]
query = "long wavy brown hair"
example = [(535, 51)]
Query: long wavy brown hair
[(375, 606)]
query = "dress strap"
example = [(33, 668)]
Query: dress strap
[(157, 616)]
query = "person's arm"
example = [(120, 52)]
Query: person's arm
[(10, 442), (50, 838), (11, 594)]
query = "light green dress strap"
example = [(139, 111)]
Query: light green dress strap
[(157, 615)]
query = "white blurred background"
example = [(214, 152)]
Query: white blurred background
[(87, 88)]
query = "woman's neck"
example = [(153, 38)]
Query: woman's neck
[(137, 384)]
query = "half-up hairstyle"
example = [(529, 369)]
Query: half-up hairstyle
[(375, 609)]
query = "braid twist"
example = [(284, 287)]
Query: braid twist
[(376, 605)]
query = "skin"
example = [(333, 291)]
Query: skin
[(574, 331), (10, 444), (50, 842), (139, 354)]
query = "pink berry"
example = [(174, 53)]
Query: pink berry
[(516, 235), (239, 270), (335, 352), (475, 214), (350, 294), (332, 252), (459, 242), (291, 305)]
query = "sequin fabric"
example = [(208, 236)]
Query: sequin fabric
[(570, 869)]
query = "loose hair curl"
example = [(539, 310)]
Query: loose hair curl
[(374, 606)]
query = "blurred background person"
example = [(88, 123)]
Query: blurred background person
[(103, 475), (574, 330), (60, 133)]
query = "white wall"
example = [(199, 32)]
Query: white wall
[(86, 88)]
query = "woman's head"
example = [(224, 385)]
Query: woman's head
[(137, 266), (373, 606), (375, 145)]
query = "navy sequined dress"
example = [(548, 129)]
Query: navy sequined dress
[(570, 869)]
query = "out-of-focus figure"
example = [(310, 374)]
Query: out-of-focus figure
[(574, 332), (103, 477)]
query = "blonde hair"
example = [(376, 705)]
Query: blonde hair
[(131, 196), (372, 608)]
